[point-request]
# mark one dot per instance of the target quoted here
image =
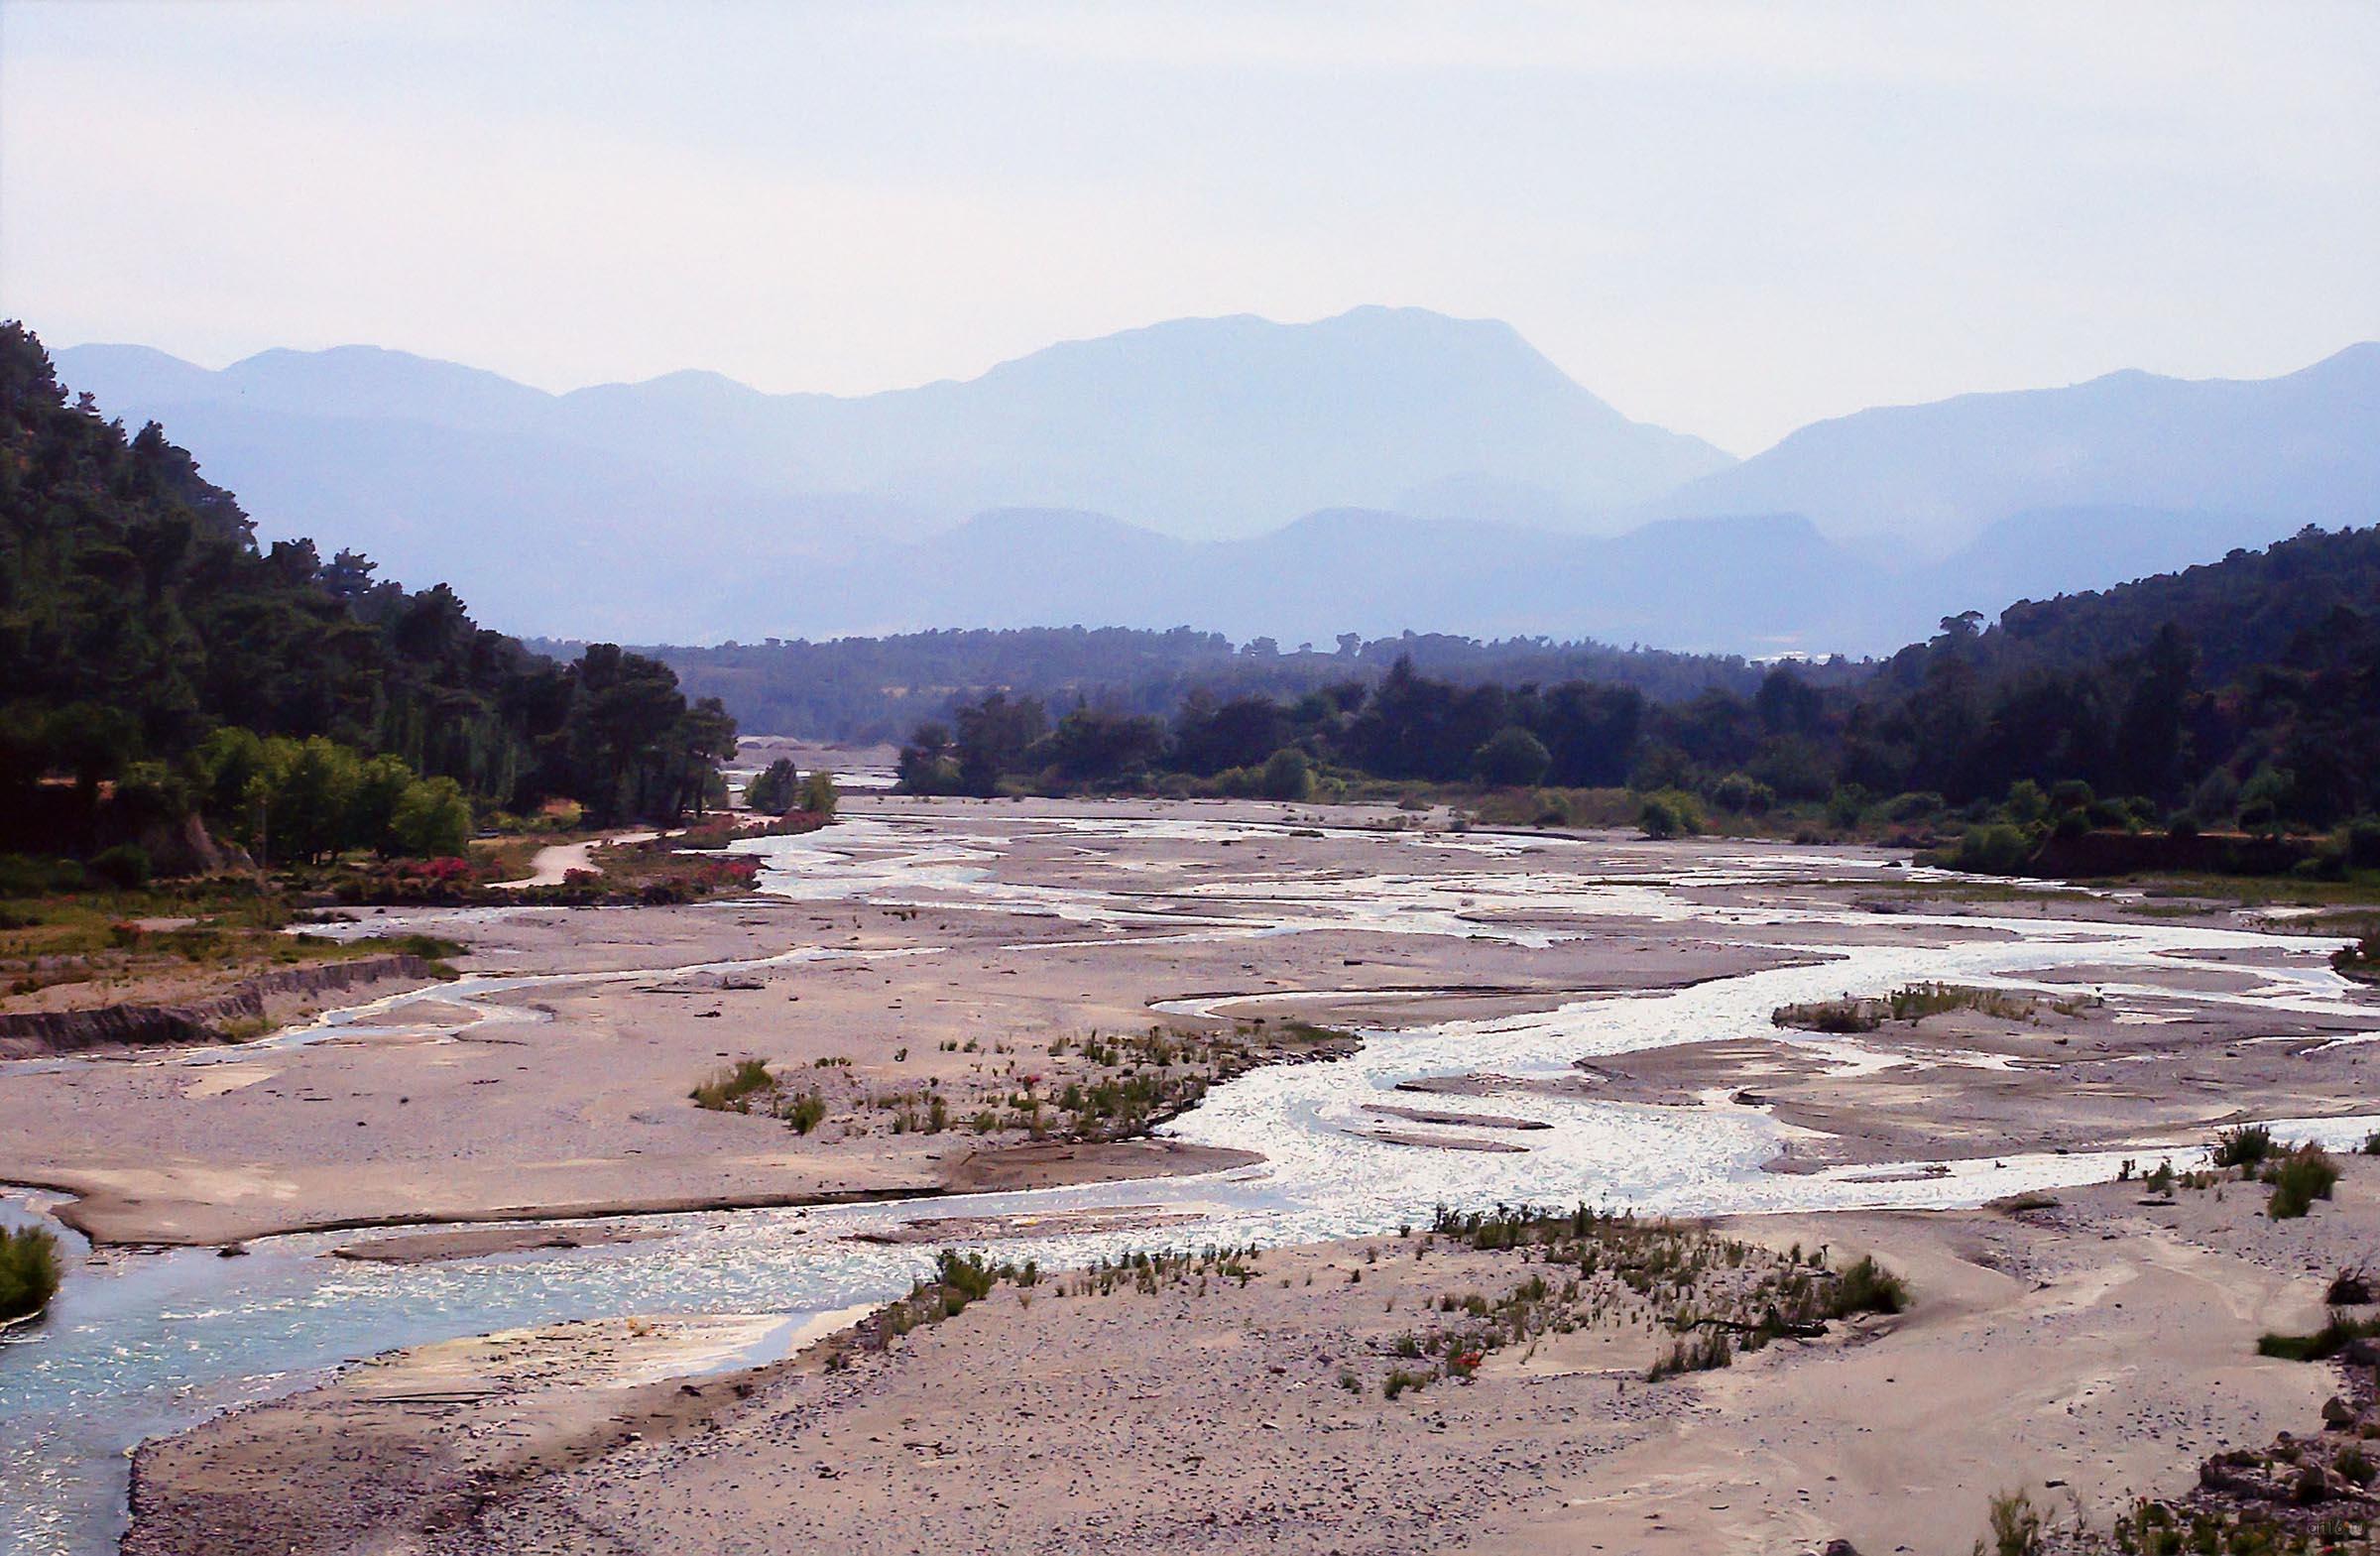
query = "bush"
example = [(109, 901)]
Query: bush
[(124, 867), (730, 1089), (1669, 814), (1919, 806), (1995, 849), (1743, 794), (29, 1270), (2244, 1146), (24, 876), (2361, 840), (771, 790), (1846, 805), (806, 1111), (1286, 776), (1866, 1286), (2015, 1527), (2324, 1342), (1704, 1353), (2299, 1180), (1511, 757)]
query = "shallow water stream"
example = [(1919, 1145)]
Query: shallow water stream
[(145, 1342)]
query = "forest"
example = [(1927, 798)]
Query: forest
[(155, 663), (877, 688), (2241, 694)]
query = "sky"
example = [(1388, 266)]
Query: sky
[(1727, 219)]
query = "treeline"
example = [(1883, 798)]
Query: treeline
[(140, 621), (2098, 710), (1407, 726), (879, 688), (2244, 691)]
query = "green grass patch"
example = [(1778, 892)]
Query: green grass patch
[(2324, 1342), (730, 1090)]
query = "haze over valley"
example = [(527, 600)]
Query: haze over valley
[(1379, 471)]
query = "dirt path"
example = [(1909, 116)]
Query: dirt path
[(551, 865)]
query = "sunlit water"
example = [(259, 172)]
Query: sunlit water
[(142, 1344)]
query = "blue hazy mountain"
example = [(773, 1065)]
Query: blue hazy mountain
[(1198, 427), (2301, 448), (1383, 470)]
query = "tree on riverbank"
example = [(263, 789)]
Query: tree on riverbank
[(140, 620), (2239, 696), (30, 1271)]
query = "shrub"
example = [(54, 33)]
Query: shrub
[(29, 1270), (1743, 794), (1286, 775), (2243, 1147), (1704, 1353), (730, 1090), (1995, 849), (805, 1112), (1846, 805), (1918, 806), (2324, 1344), (2015, 1524), (2299, 1180), (124, 867), (1668, 813), (1865, 1286), (771, 790)]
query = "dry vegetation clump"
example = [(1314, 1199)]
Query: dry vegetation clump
[(959, 1280), (1097, 1087), (1151, 1273), (1717, 1296), (1913, 1003), (732, 1089)]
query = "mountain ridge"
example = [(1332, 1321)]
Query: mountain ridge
[(694, 508)]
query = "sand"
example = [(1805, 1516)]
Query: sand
[(573, 1100), (2158, 1078), (2095, 1351), (2101, 1347)]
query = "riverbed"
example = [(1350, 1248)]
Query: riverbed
[(141, 1343)]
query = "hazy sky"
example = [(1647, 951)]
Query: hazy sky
[(1728, 219)]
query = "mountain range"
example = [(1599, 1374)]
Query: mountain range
[(1389, 469)]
